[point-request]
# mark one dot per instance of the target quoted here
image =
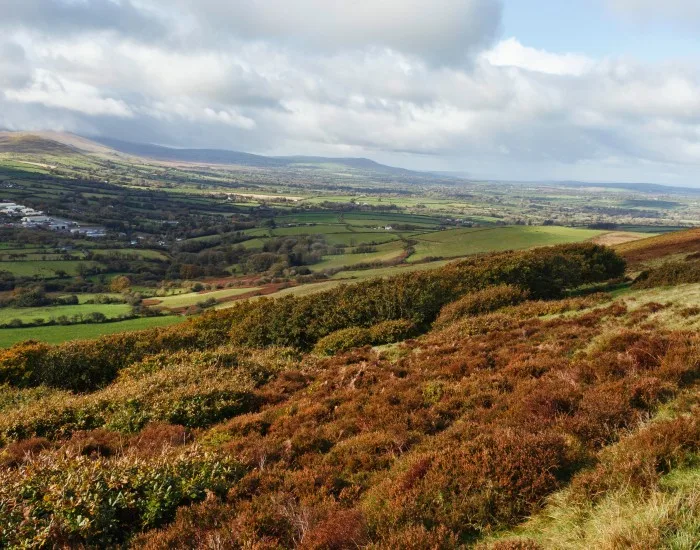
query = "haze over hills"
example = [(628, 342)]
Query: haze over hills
[(62, 143)]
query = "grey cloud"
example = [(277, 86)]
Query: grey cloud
[(61, 17), (15, 70), (441, 31)]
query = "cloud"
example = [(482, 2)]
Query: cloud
[(57, 17), (511, 53), (441, 31), (51, 90), (15, 70)]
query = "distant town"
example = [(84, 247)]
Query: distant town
[(30, 218)]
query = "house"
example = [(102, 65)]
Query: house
[(31, 221)]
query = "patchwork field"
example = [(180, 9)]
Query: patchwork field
[(463, 242), (58, 334)]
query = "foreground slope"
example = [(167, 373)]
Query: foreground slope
[(277, 424)]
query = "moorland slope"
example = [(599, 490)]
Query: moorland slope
[(513, 400)]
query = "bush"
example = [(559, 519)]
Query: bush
[(116, 497), (480, 302), (343, 340), (669, 274), (390, 332), (490, 482)]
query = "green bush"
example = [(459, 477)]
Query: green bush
[(195, 389), (669, 274), (389, 332), (480, 302), (72, 501), (343, 340)]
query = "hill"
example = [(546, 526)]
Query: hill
[(29, 143), (219, 156), (507, 401)]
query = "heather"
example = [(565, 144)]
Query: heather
[(455, 413)]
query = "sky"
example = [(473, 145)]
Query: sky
[(595, 90)]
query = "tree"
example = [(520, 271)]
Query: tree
[(120, 284)]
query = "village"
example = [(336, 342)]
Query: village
[(30, 218)]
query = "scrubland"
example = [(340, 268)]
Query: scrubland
[(519, 400)]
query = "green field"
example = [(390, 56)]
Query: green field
[(57, 334), (385, 252), (193, 298), (29, 314), (463, 242), (138, 252), (363, 274), (43, 270)]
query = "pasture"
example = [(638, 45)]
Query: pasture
[(30, 314), (193, 298), (58, 333), (463, 242)]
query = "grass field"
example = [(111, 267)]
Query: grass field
[(363, 274), (140, 253), (28, 314), (384, 253), (463, 242), (43, 270), (57, 334), (193, 298)]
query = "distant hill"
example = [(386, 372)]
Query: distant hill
[(639, 187), (222, 156), (29, 143)]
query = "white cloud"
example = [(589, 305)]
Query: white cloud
[(51, 90), (511, 53)]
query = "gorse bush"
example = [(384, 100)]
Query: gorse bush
[(67, 501), (669, 274), (300, 322), (343, 340), (191, 389), (482, 301), (418, 297), (388, 332)]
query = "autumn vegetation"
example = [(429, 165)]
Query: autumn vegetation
[(472, 406)]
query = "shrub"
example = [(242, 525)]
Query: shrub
[(343, 340), (480, 302), (639, 460), (21, 451), (489, 482), (669, 274), (390, 332), (69, 501)]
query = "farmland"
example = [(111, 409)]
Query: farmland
[(463, 242), (57, 334), (187, 237)]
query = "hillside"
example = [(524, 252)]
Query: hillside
[(438, 409), (219, 156)]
